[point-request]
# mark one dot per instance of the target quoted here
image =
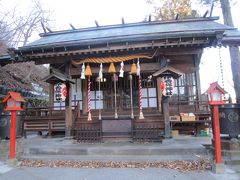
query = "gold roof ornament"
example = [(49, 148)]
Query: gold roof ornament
[(112, 68), (133, 69), (88, 71)]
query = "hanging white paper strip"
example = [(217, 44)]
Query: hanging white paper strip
[(121, 70), (83, 71), (100, 74), (138, 68)]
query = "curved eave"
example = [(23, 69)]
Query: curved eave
[(231, 38), (122, 39)]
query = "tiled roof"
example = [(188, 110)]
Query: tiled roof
[(129, 32)]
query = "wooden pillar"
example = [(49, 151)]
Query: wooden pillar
[(198, 84), (51, 95), (84, 96), (197, 79), (159, 94), (68, 103), (167, 130)]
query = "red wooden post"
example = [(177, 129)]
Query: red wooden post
[(14, 102), (13, 135), (217, 135)]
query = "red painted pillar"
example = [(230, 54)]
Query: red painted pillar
[(217, 135), (13, 135)]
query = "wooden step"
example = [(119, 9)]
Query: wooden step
[(117, 137)]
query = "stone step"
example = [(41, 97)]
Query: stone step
[(117, 150), (116, 138), (236, 168), (231, 162), (232, 155)]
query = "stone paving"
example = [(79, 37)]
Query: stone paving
[(180, 145)]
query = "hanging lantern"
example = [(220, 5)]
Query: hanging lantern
[(111, 68), (60, 92), (88, 71), (167, 85), (133, 69)]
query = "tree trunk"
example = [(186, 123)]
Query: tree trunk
[(234, 51)]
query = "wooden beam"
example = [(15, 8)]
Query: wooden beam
[(49, 29), (149, 18), (177, 16), (49, 60), (176, 51), (73, 28), (68, 102), (123, 21), (96, 23), (211, 10), (123, 47), (159, 95), (44, 29), (167, 128), (196, 60), (205, 14), (147, 67)]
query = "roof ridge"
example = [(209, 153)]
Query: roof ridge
[(126, 25)]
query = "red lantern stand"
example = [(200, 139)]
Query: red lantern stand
[(217, 139), (215, 93), (14, 103)]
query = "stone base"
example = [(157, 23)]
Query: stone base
[(232, 145), (168, 141), (229, 144), (68, 133), (12, 162), (167, 136), (218, 168), (68, 137)]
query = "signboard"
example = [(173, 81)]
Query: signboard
[(167, 85), (60, 92)]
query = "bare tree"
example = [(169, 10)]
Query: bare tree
[(31, 23), (16, 29), (234, 51)]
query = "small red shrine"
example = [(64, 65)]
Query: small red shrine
[(215, 93), (14, 101)]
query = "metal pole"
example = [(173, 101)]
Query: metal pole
[(130, 77), (99, 98), (115, 95)]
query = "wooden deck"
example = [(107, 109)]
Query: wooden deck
[(44, 119), (151, 128)]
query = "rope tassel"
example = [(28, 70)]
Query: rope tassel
[(140, 91), (140, 99), (89, 100)]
